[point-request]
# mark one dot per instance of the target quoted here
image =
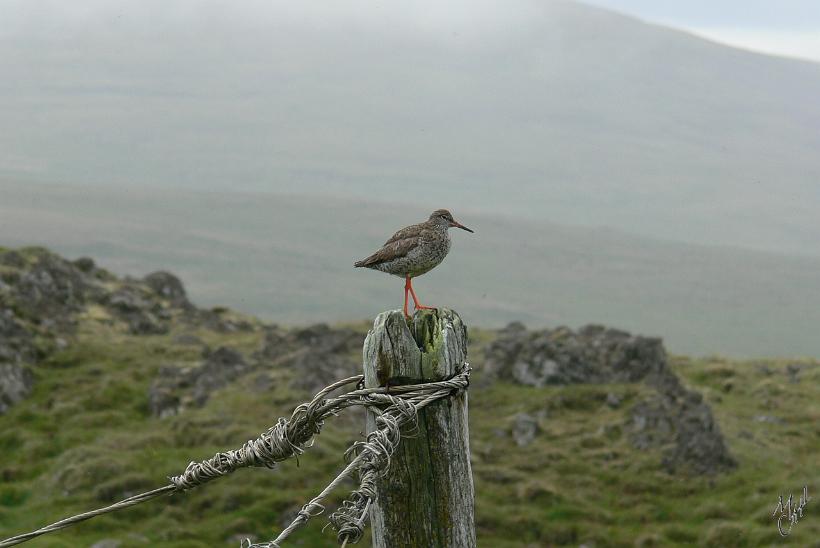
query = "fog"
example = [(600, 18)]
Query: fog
[(553, 113)]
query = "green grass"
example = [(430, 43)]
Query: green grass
[(85, 438)]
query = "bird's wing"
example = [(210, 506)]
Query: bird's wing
[(393, 249), (411, 231)]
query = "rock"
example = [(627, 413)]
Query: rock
[(134, 305), (16, 382), (163, 396), (13, 259), (218, 319), (524, 429), (16, 342), (177, 387), (275, 344), (683, 425), (85, 264), (262, 383), (594, 354), (793, 370), (675, 419), (51, 288), (219, 368), (317, 355), (169, 287)]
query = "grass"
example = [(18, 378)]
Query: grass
[(86, 438)]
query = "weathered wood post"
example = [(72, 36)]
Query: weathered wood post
[(427, 498)]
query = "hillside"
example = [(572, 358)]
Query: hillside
[(288, 259), (548, 110), (588, 437)]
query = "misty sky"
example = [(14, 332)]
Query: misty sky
[(782, 27), (593, 117), (787, 27), (548, 112)]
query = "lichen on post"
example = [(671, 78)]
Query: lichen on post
[(427, 497)]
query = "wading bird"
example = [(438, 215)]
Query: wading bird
[(414, 250)]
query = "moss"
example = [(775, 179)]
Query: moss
[(428, 334)]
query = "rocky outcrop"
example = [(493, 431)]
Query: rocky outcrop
[(16, 342), (48, 291), (137, 306), (51, 289), (684, 427), (169, 287), (675, 419), (593, 354), (177, 387), (17, 348), (42, 295), (317, 355)]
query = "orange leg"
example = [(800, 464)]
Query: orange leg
[(407, 288), (416, 303)]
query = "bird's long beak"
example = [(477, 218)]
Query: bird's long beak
[(461, 226)]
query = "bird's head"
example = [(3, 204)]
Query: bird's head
[(445, 218)]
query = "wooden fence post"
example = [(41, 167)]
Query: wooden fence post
[(427, 498)]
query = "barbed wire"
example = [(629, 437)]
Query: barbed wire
[(395, 408)]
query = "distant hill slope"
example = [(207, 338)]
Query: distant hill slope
[(289, 259), (565, 112)]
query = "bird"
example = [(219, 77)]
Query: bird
[(413, 251)]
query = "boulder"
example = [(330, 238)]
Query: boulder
[(169, 287), (593, 354), (524, 428), (177, 387), (135, 305), (682, 424), (51, 288), (85, 264), (317, 355)]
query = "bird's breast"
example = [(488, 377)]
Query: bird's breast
[(428, 255)]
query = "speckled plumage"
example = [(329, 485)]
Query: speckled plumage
[(416, 249)]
